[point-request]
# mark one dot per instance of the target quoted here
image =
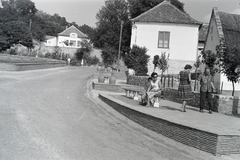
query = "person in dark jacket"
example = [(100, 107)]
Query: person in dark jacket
[(206, 89)]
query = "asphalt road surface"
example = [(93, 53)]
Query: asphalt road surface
[(52, 114)]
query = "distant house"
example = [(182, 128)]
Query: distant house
[(224, 28), (165, 28), (70, 38)]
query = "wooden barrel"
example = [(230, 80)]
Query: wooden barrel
[(112, 80), (101, 79)]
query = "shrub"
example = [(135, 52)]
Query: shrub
[(92, 60), (12, 51), (48, 55), (137, 59), (109, 55)]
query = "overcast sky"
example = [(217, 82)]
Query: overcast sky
[(84, 11)]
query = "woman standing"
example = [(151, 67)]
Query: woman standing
[(153, 89), (184, 88)]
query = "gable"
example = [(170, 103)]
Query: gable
[(70, 32), (165, 12)]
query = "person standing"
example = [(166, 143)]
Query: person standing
[(184, 88), (206, 89)]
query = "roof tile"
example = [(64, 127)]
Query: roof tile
[(165, 12)]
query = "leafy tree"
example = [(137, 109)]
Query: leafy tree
[(15, 23), (14, 32), (108, 27), (137, 59), (155, 61), (84, 51), (210, 59), (89, 31), (163, 62), (109, 56), (229, 59), (137, 7), (56, 53)]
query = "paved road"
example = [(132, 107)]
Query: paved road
[(51, 114)]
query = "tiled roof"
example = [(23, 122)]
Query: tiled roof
[(72, 29), (165, 12), (49, 37), (203, 32), (231, 29)]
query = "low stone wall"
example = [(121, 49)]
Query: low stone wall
[(224, 104), (203, 140), (29, 66)]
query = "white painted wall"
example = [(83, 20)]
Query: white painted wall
[(183, 41), (212, 41), (61, 39), (51, 42)]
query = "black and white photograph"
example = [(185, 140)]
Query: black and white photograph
[(119, 79)]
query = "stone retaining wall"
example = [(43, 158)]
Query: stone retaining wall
[(224, 104), (29, 66), (206, 141)]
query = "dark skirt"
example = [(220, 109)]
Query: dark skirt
[(185, 92)]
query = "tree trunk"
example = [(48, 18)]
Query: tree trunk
[(233, 88)]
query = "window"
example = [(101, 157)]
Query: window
[(73, 35), (163, 39), (72, 43), (78, 43)]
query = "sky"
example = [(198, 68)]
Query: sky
[(84, 11)]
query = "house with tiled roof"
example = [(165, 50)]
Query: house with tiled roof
[(165, 28), (69, 38), (224, 28)]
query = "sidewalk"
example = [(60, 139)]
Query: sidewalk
[(214, 133)]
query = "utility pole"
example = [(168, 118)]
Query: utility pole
[(119, 47)]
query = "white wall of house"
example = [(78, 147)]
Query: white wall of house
[(183, 44), (51, 42), (75, 42), (213, 40)]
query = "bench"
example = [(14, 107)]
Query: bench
[(133, 91)]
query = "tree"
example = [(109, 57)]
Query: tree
[(229, 59), (155, 61), (163, 62), (14, 32), (84, 51), (137, 59), (109, 23), (109, 56), (15, 27), (210, 59), (89, 31), (137, 7)]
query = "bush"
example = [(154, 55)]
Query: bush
[(109, 55), (48, 55), (137, 59), (92, 60), (12, 51), (74, 62)]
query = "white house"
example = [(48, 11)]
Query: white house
[(165, 28), (224, 28), (69, 38)]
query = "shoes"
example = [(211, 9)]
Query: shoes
[(201, 111), (183, 110), (210, 112), (143, 103)]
